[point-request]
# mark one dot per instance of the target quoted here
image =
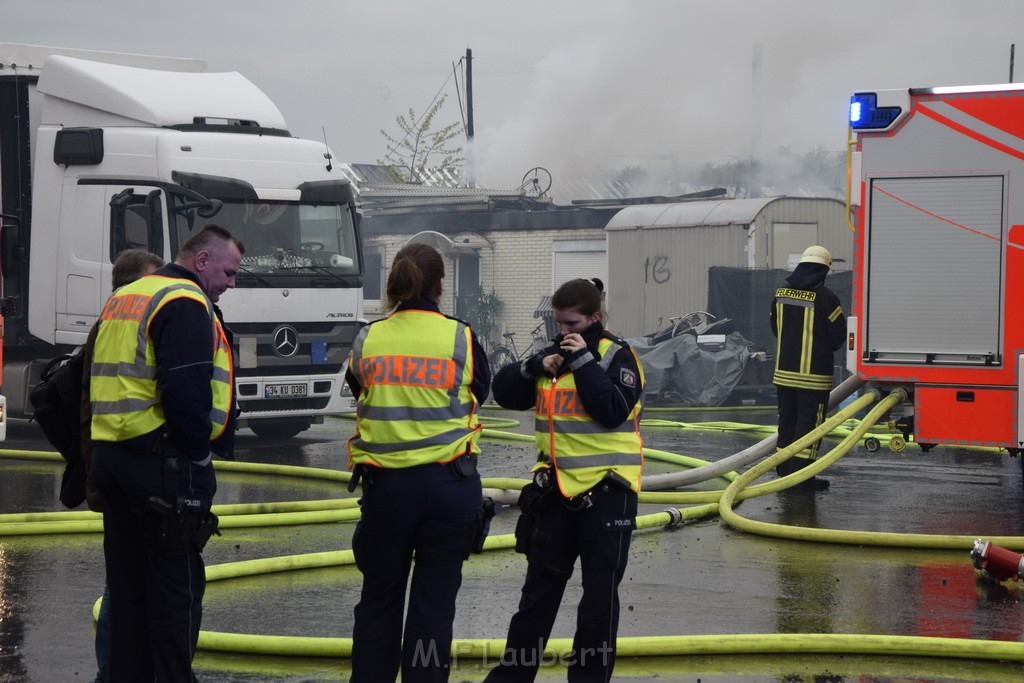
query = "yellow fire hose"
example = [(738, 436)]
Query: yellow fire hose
[(490, 649)]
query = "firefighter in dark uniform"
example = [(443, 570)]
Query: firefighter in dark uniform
[(419, 377), (161, 391), (586, 391), (808, 322)]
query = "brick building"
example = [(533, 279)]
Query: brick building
[(513, 249)]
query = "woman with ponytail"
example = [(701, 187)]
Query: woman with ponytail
[(419, 377), (585, 390)]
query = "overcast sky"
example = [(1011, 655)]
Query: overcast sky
[(576, 86)]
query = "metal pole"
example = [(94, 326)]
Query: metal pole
[(754, 181), (1012, 45), (470, 157)]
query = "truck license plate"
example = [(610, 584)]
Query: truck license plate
[(285, 390)]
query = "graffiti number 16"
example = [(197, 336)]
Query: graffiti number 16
[(656, 268)]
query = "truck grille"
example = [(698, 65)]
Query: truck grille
[(320, 348)]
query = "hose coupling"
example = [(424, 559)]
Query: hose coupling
[(996, 564), (674, 517)]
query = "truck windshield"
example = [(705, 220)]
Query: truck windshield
[(285, 239)]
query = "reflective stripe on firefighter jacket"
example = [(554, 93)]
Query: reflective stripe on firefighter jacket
[(416, 406), (125, 400), (809, 327), (581, 450)]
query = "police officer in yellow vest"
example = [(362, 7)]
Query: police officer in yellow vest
[(585, 391), (419, 377), (808, 322), (161, 391)]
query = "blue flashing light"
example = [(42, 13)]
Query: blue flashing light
[(865, 114), (855, 112)]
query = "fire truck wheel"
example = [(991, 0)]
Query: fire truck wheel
[(1017, 453), (925, 447), (872, 444), (897, 444)]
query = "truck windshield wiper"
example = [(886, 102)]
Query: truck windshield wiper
[(319, 269), (259, 278)]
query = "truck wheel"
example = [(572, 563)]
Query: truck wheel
[(1017, 453), (872, 444), (897, 444), (279, 428)]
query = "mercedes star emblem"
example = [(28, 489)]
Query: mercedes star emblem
[(286, 341)]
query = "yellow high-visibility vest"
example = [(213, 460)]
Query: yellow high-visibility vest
[(122, 385), (416, 407), (581, 450)]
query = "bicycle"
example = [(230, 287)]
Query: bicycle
[(500, 356), (697, 322)]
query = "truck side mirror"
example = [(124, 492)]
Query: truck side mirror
[(154, 217), (211, 210), (121, 198)]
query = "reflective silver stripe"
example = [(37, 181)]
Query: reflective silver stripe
[(205, 461), (605, 362), (218, 417), (154, 301), (221, 375), (581, 361), (357, 354), (586, 427), (460, 357), (795, 302), (792, 374), (576, 462), (407, 413), (125, 405), (609, 356), (142, 371), (443, 439)]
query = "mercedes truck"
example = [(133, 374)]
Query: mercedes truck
[(102, 152)]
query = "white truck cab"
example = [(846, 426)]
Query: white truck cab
[(123, 157)]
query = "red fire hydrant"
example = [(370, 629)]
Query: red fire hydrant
[(996, 564)]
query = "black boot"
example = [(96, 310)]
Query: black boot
[(812, 484), (783, 468)]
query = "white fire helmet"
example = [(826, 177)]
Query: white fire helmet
[(817, 254)]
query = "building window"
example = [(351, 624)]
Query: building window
[(585, 259), (467, 281)]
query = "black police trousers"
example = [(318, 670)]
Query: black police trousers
[(599, 536), (155, 597), (420, 519)]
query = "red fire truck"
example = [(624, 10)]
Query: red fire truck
[(936, 199)]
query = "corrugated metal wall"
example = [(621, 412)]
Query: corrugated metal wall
[(663, 272), (828, 214), (656, 272)]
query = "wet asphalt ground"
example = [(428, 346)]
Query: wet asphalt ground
[(703, 577)]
